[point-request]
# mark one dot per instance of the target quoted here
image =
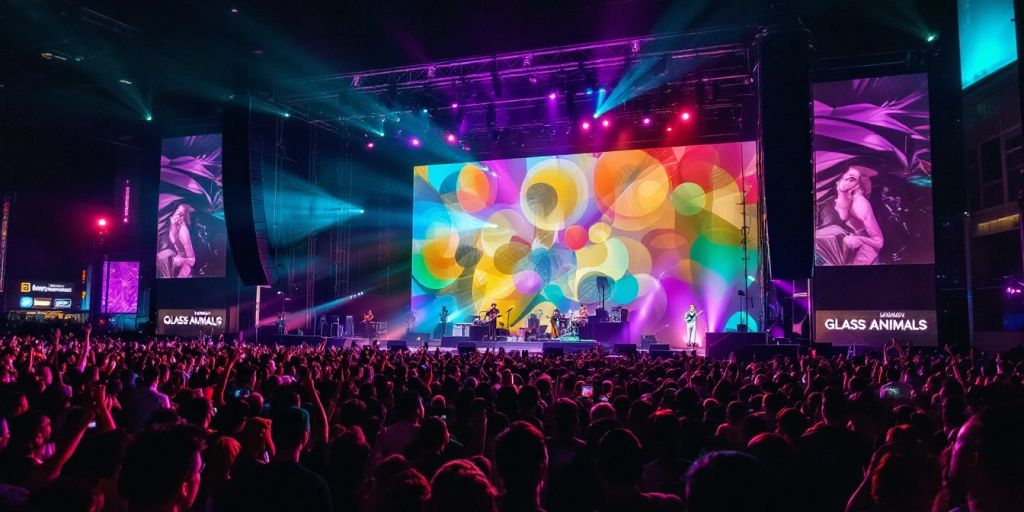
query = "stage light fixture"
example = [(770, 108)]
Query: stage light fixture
[(552, 96), (585, 125), (101, 222), (646, 121), (149, 117), (415, 141), (451, 138), (455, 105), (286, 114), (424, 111), (685, 116), (669, 129), (370, 145), (931, 37), (606, 123), (234, 10)]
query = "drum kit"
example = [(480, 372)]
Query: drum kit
[(570, 324)]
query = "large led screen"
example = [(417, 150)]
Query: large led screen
[(873, 239), (120, 293), (652, 231), (191, 234), (873, 172), (988, 39)]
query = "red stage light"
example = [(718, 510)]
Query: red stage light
[(586, 125), (101, 222), (605, 123), (685, 116), (647, 121), (668, 129)]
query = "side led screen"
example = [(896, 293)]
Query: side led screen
[(874, 239), (120, 293), (191, 233), (873, 172), (988, 41)]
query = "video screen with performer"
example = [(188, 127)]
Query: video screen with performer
[(191, 233), (647, 231), (872, 168)]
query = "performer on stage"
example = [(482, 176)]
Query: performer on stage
[(556, 317), (691, 325), (533, 326), (368, 330), (444, 320), (280, 323), (492, 321), (583, 315)]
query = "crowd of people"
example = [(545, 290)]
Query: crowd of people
[(101, 423)]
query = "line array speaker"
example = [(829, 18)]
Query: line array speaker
[(244, 213)]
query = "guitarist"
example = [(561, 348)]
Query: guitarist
[(691, 325), (492, 321)]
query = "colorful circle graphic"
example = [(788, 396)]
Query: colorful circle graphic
[(688, 198)]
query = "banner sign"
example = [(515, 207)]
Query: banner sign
[(190, 322), (875, 328)]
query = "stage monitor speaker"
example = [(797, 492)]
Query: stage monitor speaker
[(244, 213), (720, 344), (624, 349), (661, 354), (647, 340), (553, 350), (417, 337), (659, 346), (784, 101), (453, 341), (397, 345), (467, 347)]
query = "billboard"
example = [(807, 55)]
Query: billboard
[(191, 233), (190, 322), (874, 236), (651, 231), (45, 295), (120, 292)]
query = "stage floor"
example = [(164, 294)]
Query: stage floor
[(533, 347)]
